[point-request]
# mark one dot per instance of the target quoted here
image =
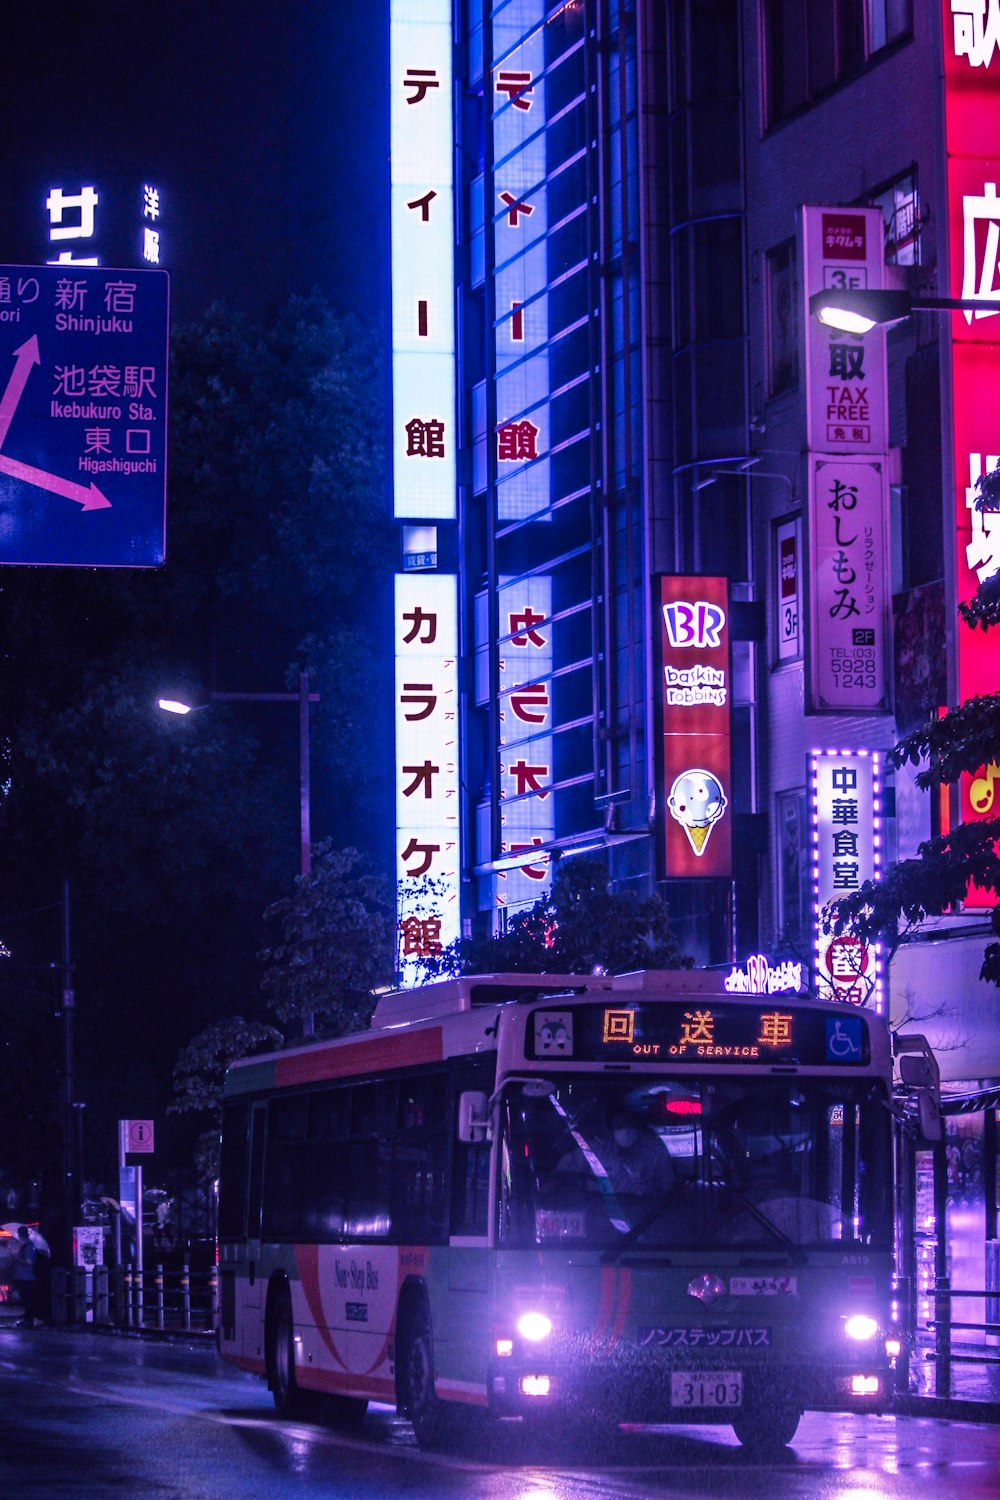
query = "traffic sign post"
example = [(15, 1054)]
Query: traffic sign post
[(83, 415), (135, 1138)]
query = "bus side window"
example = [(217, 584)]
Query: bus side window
[(470, 1167), (368, 1160), (233, 1171), (418, 1162), (285, 1180)]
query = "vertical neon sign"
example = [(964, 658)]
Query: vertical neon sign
[(424, 435), (846, 795)]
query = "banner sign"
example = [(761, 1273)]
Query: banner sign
[(850, 598), (845, 372), (425, 439), (695, 701), (788, 574), (427, 776), (527, 814), (845, 787)]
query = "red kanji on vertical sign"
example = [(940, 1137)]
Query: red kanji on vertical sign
[(515, 209), (424, 439), (517, 441), (517, 86)]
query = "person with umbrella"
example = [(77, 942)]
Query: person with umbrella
[(25, 1277)]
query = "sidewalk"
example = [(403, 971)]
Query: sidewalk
[(973, 1387)]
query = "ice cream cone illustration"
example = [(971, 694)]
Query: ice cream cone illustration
[(697, 802)]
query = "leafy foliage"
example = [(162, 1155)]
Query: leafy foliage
[(337, 944), (964, 739), (176, 835), (580, 926), (200, 1072)]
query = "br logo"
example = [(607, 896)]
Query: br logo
[(695, 623)]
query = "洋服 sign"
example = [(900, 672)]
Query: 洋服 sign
[(83, 416)]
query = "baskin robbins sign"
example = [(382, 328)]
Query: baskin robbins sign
[(695, 695)]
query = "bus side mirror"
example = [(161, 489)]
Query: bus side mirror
[(473, 1116), (919, 1072)]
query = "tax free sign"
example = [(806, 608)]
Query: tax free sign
[(83, 416)]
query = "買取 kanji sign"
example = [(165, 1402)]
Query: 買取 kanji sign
[(83, 416)]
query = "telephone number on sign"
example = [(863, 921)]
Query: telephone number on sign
[(699, 1388), (854, 679)]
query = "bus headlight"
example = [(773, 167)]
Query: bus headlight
[(861, 1327), (534, 1326)]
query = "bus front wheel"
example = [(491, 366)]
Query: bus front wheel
[(427, 1414), (765, 1431), (288, 1399)]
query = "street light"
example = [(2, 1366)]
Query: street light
[(858, 309), (303, 698)]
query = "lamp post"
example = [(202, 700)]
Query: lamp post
[(857, 309), (303, 698)]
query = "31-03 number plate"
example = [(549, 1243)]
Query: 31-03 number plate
[(697, 1389)]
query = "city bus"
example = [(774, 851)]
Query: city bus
[(439, 1212)]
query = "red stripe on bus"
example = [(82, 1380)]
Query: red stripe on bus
[(624, 1303), (607, 1301), (350, 1059)]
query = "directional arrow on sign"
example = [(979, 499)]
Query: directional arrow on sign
[(24, 358), (87, 497)]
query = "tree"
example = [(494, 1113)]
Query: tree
[(581, 925), (337, 945), (200, 1073), (964, 739), (176, 835)]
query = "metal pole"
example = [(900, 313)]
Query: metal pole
[(305, 863), (69, 1134)]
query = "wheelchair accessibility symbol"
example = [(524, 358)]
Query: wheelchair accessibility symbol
[(843, 1039)]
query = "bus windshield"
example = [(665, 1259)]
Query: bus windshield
[(748, 1163)]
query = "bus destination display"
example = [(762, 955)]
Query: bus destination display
[(697, 1031)]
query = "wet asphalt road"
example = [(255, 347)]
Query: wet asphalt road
[(97, 1415)]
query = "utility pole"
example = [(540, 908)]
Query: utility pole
[(69, 1130)]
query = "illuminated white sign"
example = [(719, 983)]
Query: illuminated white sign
[(846, 798), (846, 408), (422, 226), (72, 216), (761, 977), (851, 593), (151, 248), (521, 274), (427, 767)]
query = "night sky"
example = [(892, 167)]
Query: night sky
[(263, 125)]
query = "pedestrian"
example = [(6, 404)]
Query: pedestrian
[(25, 1277)]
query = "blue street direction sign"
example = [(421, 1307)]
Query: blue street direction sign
[(83, 416)]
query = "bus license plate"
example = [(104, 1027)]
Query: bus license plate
[(700, 1388)]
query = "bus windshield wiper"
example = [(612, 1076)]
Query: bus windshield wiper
[(795, 1251), (610, 1257)]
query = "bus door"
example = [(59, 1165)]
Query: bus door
[(251, 1292)]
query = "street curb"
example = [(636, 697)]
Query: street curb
[(947, 1409)]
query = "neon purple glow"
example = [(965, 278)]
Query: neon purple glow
[(847, 851)]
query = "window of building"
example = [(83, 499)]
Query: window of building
[(888, 21), (900, 209), (782, 319), (794, 873), (812, 45)]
